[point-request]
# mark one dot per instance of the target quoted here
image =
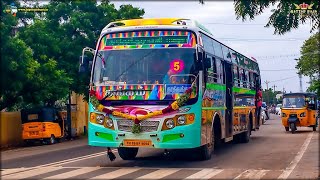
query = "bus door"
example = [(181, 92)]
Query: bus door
[(229, 101)]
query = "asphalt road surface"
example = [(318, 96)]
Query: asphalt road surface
[(272, 153)]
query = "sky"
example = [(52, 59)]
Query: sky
[(251, 38)]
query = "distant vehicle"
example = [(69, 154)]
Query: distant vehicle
[(278, 109), (299, 109)]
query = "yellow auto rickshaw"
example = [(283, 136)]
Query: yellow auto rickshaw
[(299, 109), (42, 124)]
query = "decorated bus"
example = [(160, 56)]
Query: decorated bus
[(167, 83)]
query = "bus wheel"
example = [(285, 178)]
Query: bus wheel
[(287, 128), (245, 136), (293, 128), (127, 153), (206, 151), (314, 127)]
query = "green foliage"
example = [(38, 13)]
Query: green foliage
[(40, 64), (309, 62), (281, 18)]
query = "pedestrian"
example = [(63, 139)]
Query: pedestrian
[(258, 105)]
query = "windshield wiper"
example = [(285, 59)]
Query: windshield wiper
[(134, 63)]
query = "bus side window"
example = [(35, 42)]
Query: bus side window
[(219, 67), (212, 72), (241, 77), (236, 76), (246, 79)]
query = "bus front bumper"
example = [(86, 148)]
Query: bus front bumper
[(180, 137)]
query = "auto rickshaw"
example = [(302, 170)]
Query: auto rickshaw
[(299, 109), (42, 124)]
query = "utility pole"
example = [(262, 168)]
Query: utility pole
[(274, 93), (267, 91), (267, 82), (274, 88), (300, 79)]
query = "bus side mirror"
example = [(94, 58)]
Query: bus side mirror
[(85, 64)]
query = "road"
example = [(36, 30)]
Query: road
[(271, 153)]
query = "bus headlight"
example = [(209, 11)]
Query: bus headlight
[(100, 118), (182, 120), (170, 123), (109, 123), (284, 115)]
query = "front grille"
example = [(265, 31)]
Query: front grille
[(293, 115), (146, 125)]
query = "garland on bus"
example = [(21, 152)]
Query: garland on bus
[(136, 127)]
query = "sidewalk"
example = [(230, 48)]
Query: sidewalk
[(35, 150)]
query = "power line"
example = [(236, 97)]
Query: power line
[(284, 79), (236, 24), (255, 40), (278, 70)]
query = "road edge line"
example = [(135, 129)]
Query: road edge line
[(297, 158)]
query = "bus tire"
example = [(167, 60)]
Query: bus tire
[(127, 153), (287, 128), (245, 136), (314, 127), (206, 152)]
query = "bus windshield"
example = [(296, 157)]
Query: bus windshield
[(145, 66), (293, 102)]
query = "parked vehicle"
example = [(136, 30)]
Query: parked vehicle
[(41, 124), (299, 109)]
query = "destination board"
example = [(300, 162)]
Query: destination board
[(147, 40)]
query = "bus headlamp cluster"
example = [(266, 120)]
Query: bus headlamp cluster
[(101, 120), (284, 115), (170, 123), (178, 120), (182, 120)]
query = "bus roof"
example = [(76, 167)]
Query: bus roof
[(156, 21), (179, 23)]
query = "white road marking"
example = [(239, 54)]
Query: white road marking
[(204, 174), (73, 173), (297, 158), (59, 163), (252, 174), (10, 171), (159, 174), (30, 173), (117, 173)]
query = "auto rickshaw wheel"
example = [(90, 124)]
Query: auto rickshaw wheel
[(287, 128), (52, 140), (314, 127), (293, 128)]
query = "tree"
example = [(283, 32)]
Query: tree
[(69, 26), (284, 18), (309, 62), (41, 62), (17, 63)]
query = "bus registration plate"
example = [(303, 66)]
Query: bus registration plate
[(135, 143)]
